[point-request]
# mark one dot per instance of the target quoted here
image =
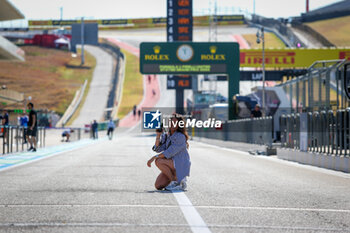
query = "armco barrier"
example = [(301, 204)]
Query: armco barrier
[(307, 29), (289, 37), (114, 93)]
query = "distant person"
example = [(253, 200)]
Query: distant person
[(256, 112), (110, 129), (18, 120), (66, 134), (134, 111), (94, 128), (153, 92), (24, 125), (139, 113), (2, 129), (149, 79), (5, 123), (32, 127)]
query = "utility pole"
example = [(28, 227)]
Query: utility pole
[(82, 41), (61, 13), (253, 7), (215, 20), (307, 6)]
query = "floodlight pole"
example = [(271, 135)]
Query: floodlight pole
[(263, 68), (253, 7), (262, 37), (61, 13), (82, 41)]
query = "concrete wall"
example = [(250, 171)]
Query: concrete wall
[(337, 163), (9, 51)]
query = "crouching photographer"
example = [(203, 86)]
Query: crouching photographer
[(173, 160)]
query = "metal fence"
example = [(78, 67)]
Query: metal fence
[(77, 134), (13, 138), (325, 132), (251, 130), (321, 89)]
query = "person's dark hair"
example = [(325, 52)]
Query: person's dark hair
[(31, 104), (181, 129)]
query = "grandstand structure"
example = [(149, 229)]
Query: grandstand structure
[(8, 50)]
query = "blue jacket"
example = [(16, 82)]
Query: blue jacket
[(174, 147)]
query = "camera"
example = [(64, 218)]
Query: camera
[(160, 130)]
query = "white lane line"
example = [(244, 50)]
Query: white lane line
[(194, 220), (192, 217), (177, 206), (285, 162), (116, 224)]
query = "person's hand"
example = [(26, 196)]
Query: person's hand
[(151, 161)]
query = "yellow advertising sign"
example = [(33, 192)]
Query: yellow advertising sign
[(290, 58)]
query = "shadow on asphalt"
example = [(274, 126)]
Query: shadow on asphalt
[(157, 191)]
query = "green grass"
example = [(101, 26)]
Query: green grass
[(50, 76), (271, 41), (133, 85), (336, 30)]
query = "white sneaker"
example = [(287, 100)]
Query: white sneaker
[(174, 188), (183, 183), (171, 185)]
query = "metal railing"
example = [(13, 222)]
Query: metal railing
[(12, 138), (77, 134), (321, 89), (325, 132), (251, 130)]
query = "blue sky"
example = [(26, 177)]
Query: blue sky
[(50, 9)]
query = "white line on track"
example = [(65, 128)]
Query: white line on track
[(194, 220), (116, 224), (192, 217), (177, 206), (280, 161)]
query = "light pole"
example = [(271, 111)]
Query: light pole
[(253, 7), (82, 41), (260, 35)]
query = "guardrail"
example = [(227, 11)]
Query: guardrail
[(322, 88), (289, 37), (72, 108), (326, 132), (13, 138), (114, 92), (307, 29), (250, 130)]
